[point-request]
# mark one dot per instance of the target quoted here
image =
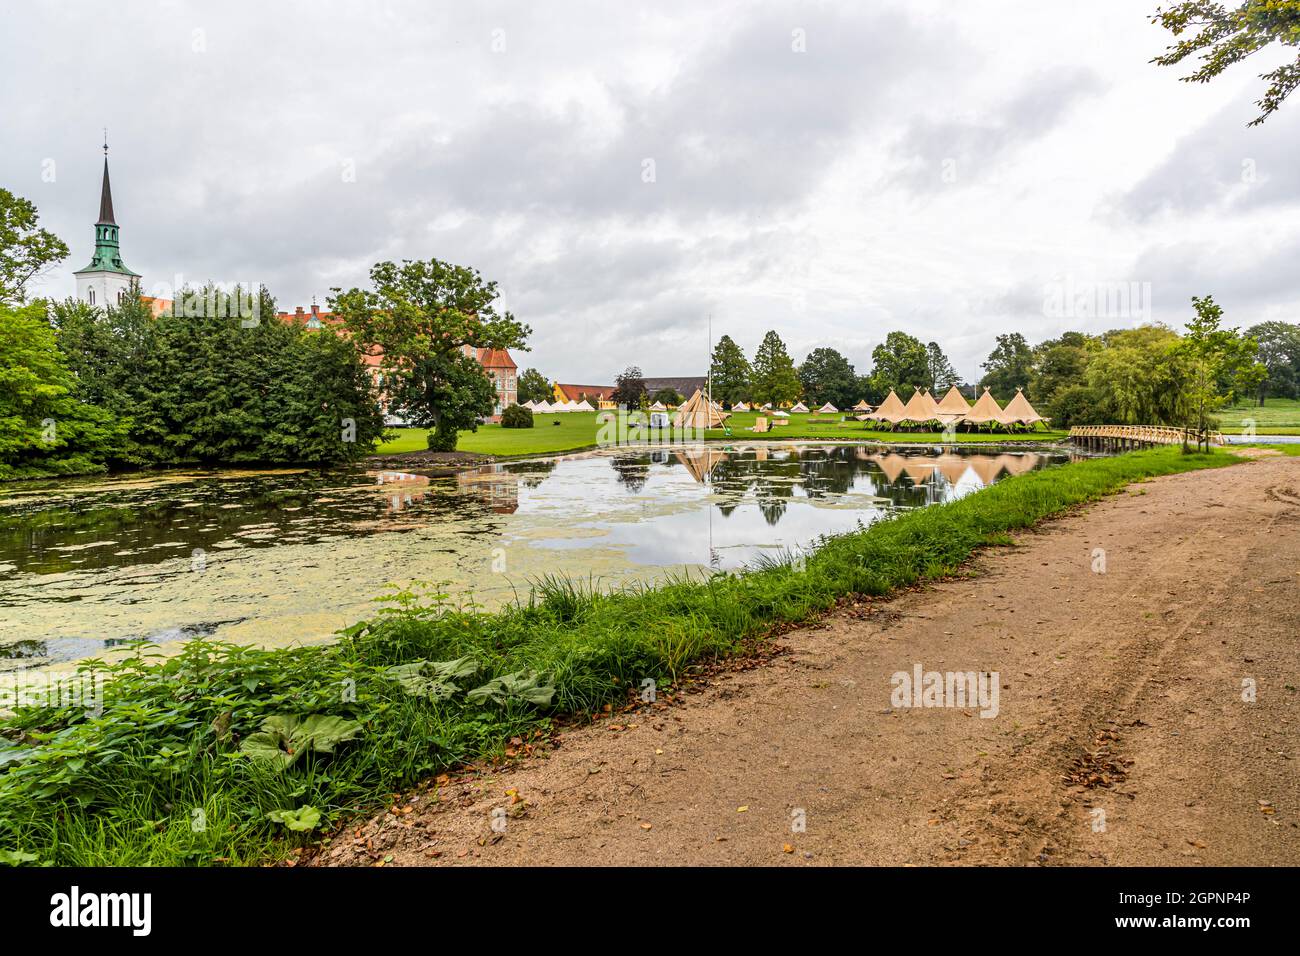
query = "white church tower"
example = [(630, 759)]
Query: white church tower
[(106, 281)]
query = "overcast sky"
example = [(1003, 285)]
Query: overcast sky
[(624, 170)]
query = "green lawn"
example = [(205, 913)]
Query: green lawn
[(1278, 416), (570, 431)]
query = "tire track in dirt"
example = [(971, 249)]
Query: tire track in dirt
[(1138, 669)]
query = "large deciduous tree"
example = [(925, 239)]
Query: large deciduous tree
[(1279, 351), (730, 372), (46, 428), (428, 318), (1009, 366), (1224, 36), (902, 363), (629, 387), (774, 378), (533, 387), (26, 250), (827, 376)]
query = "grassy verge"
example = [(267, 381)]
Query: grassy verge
[(181, 766), (577, 430), (1277, 416)]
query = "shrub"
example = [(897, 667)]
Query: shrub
[(516, 416)]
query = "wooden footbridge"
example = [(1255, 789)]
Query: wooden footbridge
[(1128, 437)]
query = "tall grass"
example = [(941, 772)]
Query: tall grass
[(158, 777)]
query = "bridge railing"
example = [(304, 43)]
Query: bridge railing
[(1142, 434)]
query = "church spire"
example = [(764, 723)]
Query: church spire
[(107, 257), (106, 193)]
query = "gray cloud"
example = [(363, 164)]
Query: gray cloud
[(786, 183)]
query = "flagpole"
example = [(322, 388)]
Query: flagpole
[(710, 378)]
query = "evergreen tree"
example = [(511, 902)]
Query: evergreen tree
[(774, 378), (730, 372), (942, 375)]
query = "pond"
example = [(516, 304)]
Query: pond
[(283, 557)]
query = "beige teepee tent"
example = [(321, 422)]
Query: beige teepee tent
[(890, 410), (953, 407), (740, 407), (862, 406), (827, 409), (986, 411), (921, 407), (1019, 410), (699, 412), (800, 408)]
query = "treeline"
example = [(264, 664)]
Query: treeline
[(1125, 376), (85, 389)]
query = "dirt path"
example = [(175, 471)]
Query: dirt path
[(1121, 692)]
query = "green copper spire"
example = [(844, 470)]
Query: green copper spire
[(108, 254)]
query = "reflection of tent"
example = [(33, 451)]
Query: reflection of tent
[(583, 406), (740, 407), (658, 407), (892, 465), (890, 410), (800, 408), (919, 469), (921, 407), (1017, 464), (952, 467), (985, 467), (700, 462), (985, 411), (827, 409), (543, 407), (699, 412), (1019, 410), (953, 407)]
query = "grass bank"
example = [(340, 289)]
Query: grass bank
[(571, 431), (1277, 416), (229, 755)]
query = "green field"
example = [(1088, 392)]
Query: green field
[(1277, 416), (570, 431)]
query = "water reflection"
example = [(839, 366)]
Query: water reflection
[(278, 557)]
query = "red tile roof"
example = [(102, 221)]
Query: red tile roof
[(495, 358), (591, 391)]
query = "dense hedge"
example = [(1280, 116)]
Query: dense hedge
[(124, 388)]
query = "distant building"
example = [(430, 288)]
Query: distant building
[(599, 396), (503, 371), (106, 281), (684, 386)]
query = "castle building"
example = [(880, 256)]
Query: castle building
[(106, 281)]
